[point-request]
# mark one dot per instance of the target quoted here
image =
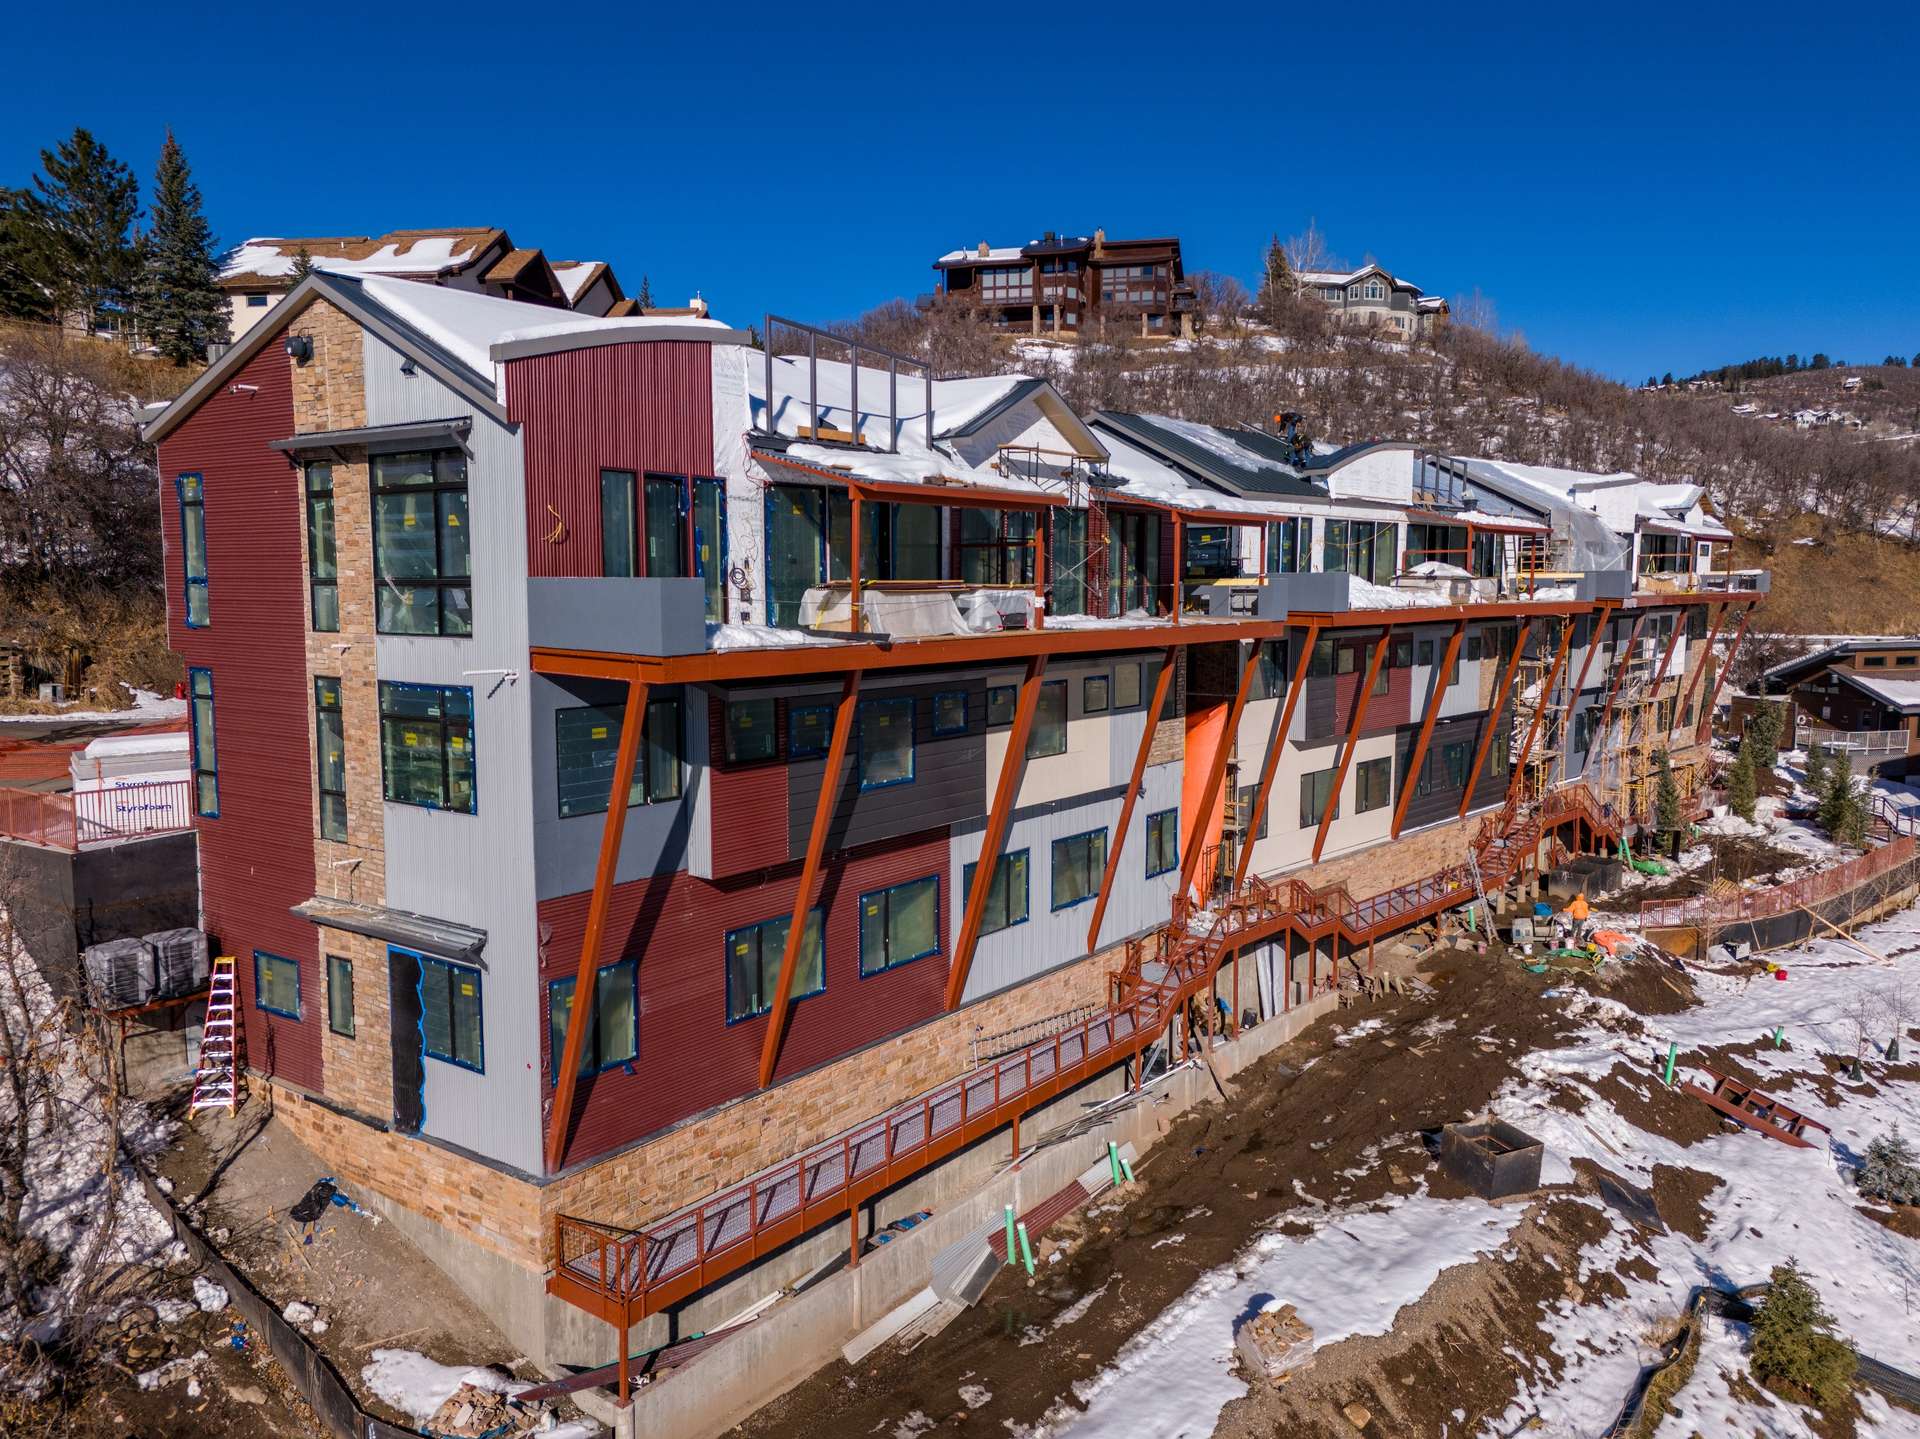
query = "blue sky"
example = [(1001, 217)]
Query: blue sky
[(1636, 189)]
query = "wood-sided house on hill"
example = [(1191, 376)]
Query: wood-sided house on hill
[(1860, 696)]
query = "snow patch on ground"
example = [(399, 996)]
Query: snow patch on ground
[(148, 708), (417, 1386)]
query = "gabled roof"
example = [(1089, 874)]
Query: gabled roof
[(1898, 694), (423, 254), (1348, 277), (1249, 463), (576, 277), (1791, 672)]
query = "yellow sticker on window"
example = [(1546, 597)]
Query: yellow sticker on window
[(412, 738), (453, 522), (600, 731), (466, 990), (408, 522), (456, 742), (873, 909)]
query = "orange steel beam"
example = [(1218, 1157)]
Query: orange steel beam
[(1412, 775), (1361, 701), (1161, 685), (611, 829), (1705, 655), (1493, 716), (1621, 664), (809, 872), (1040, 586), (998, 818), (1540, 710), (1602, 617), (1720, 675), (1216, 774), (1275, 746)]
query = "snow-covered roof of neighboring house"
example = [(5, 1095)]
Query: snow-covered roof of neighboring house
[(1902, 695), (420, 253), (1430, 304), (1791, 672), (993, 255), (1139, 473), (1248, 463), (576, 276), (1348, 277)]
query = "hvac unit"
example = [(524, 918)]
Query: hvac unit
[(180, 962), (120, 973)]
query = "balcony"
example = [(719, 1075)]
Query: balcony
[(88, 818), (618, 616)]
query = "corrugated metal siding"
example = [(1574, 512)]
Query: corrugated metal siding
[(643, 406), (256, 859), (949, 777), (1443, 801), (749, 801), (690, 1058)]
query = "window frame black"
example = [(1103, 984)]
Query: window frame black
[(321, 709), (590, 1064), (351, 1031), (439, 583), (446, 746), (259, 989), (315, 584), (967, 871), (430, 963)]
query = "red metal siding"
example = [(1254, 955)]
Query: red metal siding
[(748, 802), (256, 858), (640, 407), (1384, 711), (690, 1057)]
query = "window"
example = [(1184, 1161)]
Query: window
[(1697, 629), (613, 1029), (276, 985), (1163, 841), (1373, 785), (586, 743), (421, 568), (1126, 686), (618, 553), (752, 733), (899, 924), (1006, 284), (256, 302), (339, 994), (1000, 703), (450, 1005), (1006, 896), (1079, 862), (1286, 546), (1498, 759), (426, 745), (1456, 758), (663, 533), (323, 569), (1360, 547), (330, 758), (1315, 789), (809, 730), (1248, 795), (753, 964), (1049, 734), (1095, 694), (950, 712), (996, 547), (1906, 659), (1871, 661), (1440, 544), (1270, 678), (1585, 721), (193, 546), (886, 743), (206, 769)]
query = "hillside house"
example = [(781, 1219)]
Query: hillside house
[(628, 762), (1067, 285), (257, 274), (1860, 696), (1372, 296)]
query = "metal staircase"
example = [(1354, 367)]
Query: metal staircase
[(216, 1083)]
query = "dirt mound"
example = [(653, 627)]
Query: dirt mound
[(1681, 1197)]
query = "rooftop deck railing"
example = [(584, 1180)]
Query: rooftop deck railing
[(75, 821)]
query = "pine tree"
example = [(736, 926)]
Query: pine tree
[(302, 264), (1814, 772), (79, 218), (1843, 810), (1891, 1171), (645, 300), (21, 295), (1763, 732), (1276, 280), (1793, 1340), (181, 308), (1740, 784), (1667, 817)]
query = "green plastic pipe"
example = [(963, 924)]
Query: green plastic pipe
[(1779, 1035), (1010, 1258), (1026, 1249), (1126, 1168), (1673, 1054)]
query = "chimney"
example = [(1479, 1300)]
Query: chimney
[(1048, 238), (983, 249), (698, 306), (1099, 242)]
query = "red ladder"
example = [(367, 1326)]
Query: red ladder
[(216, 1083)]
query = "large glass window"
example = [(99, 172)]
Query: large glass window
[(1315, 789), (1456, 759), (193, 546), (1286, 546), (421, 565), (950, 712), (276, 984), (1007, 897), (1373, 784), (886, 743), (323, 566), (426, 745), (1067, 558), (1096, 694), (1248, 795), (1049, 732), (1440, 544), (796, 549), (1360, 547), (1133, 562), (1001, 700), (613, 1029), (752, 733), (618, 553), (330, 758), (996, 547), (809, 730), (899, 924), (710, 544), (450, 1012), (340, 995), (1079, 862), (1163, 841), (1126, 684), (587, 743), (753, 964), (206, 768), (666, 539), (1270, 677)]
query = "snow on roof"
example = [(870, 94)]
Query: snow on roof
[(1898, 694), (427, 254), (575, 275), (112, 746), (1003, 252), (1347, 277)]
